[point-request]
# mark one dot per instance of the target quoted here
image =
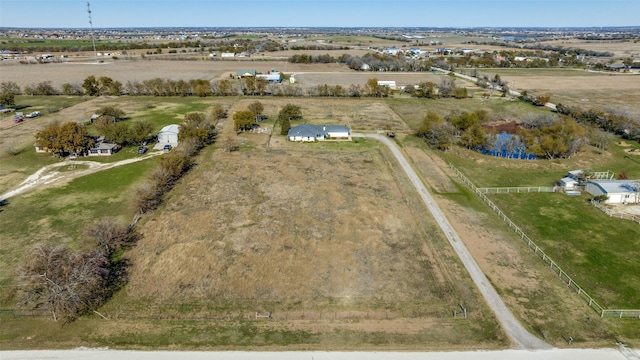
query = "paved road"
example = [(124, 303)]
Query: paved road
[(518, 334), (92, 354)]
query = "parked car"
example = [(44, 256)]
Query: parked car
[(142, 149), (18, 117), (33, 114), (167, 147), (391, 134)]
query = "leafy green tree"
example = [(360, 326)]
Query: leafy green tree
[(7, 98), (91, 86), (197, 127), (243, 119), (68, 138), (436, 131), (118, 133), (109, 110), (290, 112), (285, 125), (249, 85), (256, 108), (474, 137), (141, 130)]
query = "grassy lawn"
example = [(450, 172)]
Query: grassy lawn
[(599, 252), (60, 214), (575, 234)]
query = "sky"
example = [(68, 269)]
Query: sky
[(314, 13)]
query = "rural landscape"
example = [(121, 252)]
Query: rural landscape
[(340, 189)]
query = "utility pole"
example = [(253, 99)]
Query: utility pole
[(93, 34)]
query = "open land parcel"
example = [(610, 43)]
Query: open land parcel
[(304, 231)]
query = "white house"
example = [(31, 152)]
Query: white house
[(617, 191), (309, 132), (169, 134)]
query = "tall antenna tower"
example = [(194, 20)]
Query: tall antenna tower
[(93, 34)]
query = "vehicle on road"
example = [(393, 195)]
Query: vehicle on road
[(33, 114)]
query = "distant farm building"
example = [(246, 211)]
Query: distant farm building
[(310, 133), (617, 191), (227, 55), (241, 74), (272, 78), (568, 183), (391, 84)]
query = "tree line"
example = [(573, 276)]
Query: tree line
[(546, 137), (67, 283)]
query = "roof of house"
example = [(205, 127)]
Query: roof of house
[(568, 180), (615, 186), (173, 128), (246, 72), (310, 130)]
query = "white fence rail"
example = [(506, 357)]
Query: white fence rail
[(613, 214), (521, 189), (552, 265)]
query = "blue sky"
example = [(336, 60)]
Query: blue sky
[(313, 13)]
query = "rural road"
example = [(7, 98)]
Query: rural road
[(516, 332), (106, 354)]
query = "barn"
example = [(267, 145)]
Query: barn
[(169, 134), (617, 191)]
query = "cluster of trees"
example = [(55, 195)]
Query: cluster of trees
[(66, 138), (243, 120), (614, 120), (195, 133), (68, 283), (429, 90), (546, 137), (73, 138)]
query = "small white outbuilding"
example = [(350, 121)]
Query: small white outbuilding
[(169, 134)]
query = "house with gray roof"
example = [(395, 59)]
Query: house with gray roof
[(617, 191), (310, 132)]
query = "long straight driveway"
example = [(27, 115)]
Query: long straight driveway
[(518, 334)]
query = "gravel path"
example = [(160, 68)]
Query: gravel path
[(48, 174), (518, 334)]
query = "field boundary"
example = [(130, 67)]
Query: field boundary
[(520, 189), (610, 213), (617, 313)]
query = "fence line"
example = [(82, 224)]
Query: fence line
[(552, 264), (521, 189), (631, 217)]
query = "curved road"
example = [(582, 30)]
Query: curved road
[(518, 334)]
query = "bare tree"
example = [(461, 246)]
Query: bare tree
[(63, 283)]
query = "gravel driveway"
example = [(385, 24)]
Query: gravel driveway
[(518, 334)]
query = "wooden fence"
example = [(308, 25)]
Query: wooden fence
[(552, 264)]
